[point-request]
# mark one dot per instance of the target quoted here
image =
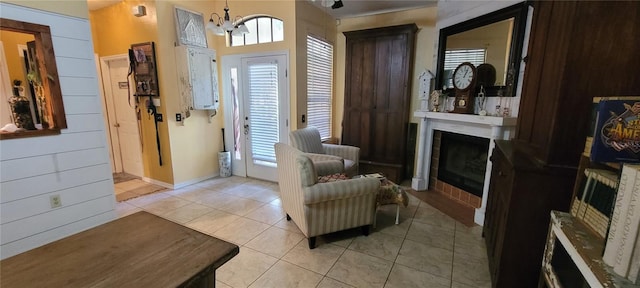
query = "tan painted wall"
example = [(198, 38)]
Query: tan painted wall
[(194, 145), (424, 18), (114, 29), (77, 8), (15, 64), (189, 150), (310, 20)]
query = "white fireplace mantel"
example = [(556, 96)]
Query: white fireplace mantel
[(490, 127)]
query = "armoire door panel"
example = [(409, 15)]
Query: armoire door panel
[(388, 146), (398, 74), (381, 76), (361, 84), (351, 122), (377, 84)]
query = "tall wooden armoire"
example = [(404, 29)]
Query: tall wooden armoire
[(577, 50), (379, 65)]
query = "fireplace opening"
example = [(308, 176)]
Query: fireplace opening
[(463, 161)]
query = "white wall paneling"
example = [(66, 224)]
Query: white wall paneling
[(72, 48), (65, 142), (43, 184), (37, 240), (72, 86), (74, 67), (81, 105), (74, 164), (26, 207), (85, 123)]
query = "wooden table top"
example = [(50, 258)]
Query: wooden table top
[(139, 250)]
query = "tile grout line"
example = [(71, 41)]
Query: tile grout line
[(453, 255)]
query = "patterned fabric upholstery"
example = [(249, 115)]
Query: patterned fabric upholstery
[(308, 140), (332, 177), (328, 167), (322, 208)]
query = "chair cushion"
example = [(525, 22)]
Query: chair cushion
[(307, 140), (308, 174), (332, 178), (348, 164)]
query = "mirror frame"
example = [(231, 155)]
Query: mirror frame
[(50, 83), (518, 12)]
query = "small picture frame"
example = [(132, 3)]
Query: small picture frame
[(190, 28)]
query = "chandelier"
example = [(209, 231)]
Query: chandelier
[(334, 4), (222, 25)]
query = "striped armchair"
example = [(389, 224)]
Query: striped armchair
[(308, 140), (321, 208)]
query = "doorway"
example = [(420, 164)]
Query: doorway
[(121, 116), (257, 86)]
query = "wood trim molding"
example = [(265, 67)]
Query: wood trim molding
[(49, 77)]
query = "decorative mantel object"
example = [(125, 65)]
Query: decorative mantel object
[(490, 127), (482, 101), (435, 100), (424, 80)]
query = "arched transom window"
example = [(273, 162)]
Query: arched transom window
[(262, 29)]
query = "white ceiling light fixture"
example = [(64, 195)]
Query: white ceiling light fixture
[(326, 3), (221, 25), (334, 4)]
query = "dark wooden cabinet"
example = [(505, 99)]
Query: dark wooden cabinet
[(378, 96), (523, 192), (577, 50)]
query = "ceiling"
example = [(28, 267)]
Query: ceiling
[(355, 8), (352, 8)]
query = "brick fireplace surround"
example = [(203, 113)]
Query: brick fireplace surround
[(447, 190), (490, 127)]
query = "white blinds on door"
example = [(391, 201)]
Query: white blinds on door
[(263, 105), (319, 81)]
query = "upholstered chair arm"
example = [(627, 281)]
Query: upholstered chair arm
[(329, 167), (323, 157), (323, 192), (347, 152)]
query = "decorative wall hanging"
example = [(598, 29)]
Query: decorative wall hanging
[(190, 28)]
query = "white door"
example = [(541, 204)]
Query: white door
[(122, 116), (257, 87)]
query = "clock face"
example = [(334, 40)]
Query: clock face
[(463, 76)]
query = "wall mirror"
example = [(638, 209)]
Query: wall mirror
[(496, 39), (30, 88)]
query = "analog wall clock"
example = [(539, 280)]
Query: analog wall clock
[(464, 83)]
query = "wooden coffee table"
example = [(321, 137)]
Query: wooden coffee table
[(139, 250)]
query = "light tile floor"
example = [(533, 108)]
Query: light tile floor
[(427, 248)]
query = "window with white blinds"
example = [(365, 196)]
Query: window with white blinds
[(319, 85), (263, 105), (453, 58)]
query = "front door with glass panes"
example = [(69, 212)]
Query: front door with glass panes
[(256, 86)]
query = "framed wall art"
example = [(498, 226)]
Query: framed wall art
[(190, 28)]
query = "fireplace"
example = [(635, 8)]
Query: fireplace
[(463, 161), (431, 128)]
